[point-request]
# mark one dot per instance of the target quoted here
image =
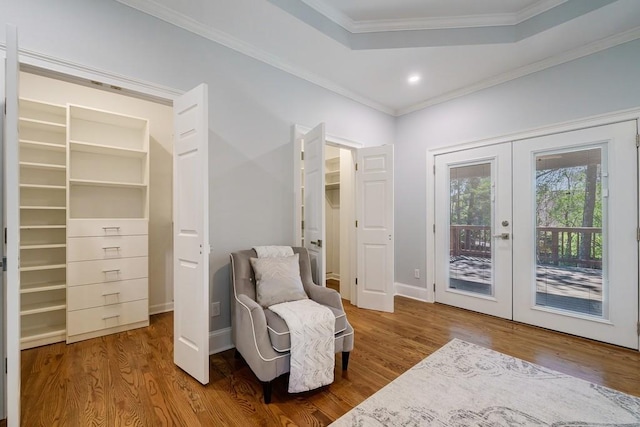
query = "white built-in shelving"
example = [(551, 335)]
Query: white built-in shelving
[(42, 223)]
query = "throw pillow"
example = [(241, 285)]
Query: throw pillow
[(278, 280)]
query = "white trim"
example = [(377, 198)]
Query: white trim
[(552, 61), (413, 292), (337, 16), (567, 126), (300, 130), (429, 23), (164, 307), (166, 14), (57, 65), (220, 340)]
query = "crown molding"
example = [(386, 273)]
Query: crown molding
[(591, 48), (159, 11), (431, 23)]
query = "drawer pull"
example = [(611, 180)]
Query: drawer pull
[(111, 230), (108, 248), (106, 294), (115, 270), (111, 316)]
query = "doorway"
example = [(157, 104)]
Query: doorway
[(366, 214), (339, 202), (543, 231)]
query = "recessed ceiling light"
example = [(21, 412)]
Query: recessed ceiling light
[(414, 78)]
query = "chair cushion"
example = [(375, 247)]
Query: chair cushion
[(277, 280), (279, 332)]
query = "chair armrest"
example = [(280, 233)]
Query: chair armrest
[(325, 296), (252, 336)]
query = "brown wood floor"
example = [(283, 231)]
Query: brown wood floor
[(130, 379)]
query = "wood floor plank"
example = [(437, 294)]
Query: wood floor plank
[(130, 378)]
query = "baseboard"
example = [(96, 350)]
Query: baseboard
[(160, 308), (413, 292), (220, 340)]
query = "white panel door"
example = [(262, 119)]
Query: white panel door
[(191, 233), (314, 201), (473, 253), (575, 245), (11, 219), (374, 233)]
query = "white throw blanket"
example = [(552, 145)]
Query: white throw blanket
[(312, 329), (273, 251)]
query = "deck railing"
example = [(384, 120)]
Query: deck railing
[(560, 246)]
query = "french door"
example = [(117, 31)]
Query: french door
[(575, 245), (473, 229), (544, 231)]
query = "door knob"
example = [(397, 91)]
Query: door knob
[(317, 243), (503, 236)]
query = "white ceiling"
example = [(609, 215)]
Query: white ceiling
[(365, 49)]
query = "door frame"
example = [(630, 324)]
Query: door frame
[(62, 69), (347, 212), (566, 126)]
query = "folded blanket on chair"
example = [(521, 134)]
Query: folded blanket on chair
[(311, 326), (273, 251)]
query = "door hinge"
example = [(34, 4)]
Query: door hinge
[(356, 223), (5, 235), (434, 228), (434, 169), (356, 281), (6, 366), (302, 155), (637, 140), (356, 167), (638, 329), (4, 263), (434, 287), (638, 234)]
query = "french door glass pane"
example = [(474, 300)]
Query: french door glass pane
[(470, 257), (569, 248)]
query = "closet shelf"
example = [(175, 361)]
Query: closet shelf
[(57, 332), (43, 166), (41, 287), (41, 227), (43, 125), (44, 208), (43, 267), (42, 307), (88, 147), (333, 186), (48, 246), (44, 187), (94, 183), (43, 145)]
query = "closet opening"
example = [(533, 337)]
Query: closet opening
[(96, 178), (339, 211)]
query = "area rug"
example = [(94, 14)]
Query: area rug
[(463, 384)]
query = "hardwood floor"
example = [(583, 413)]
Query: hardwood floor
[(130, 378)]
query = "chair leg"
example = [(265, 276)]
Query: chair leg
[(345, 360), (266, 388)]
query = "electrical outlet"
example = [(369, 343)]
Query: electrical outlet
[(416, 273), (215, 309)]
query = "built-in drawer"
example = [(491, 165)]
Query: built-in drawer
[(106, 270), (107, 227), (108, 316), (106, 247), (99, 294)]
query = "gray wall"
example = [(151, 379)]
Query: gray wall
[(603, 82), (252, 108)]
